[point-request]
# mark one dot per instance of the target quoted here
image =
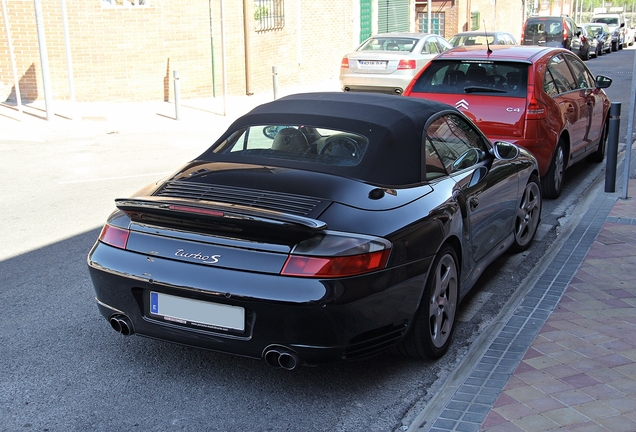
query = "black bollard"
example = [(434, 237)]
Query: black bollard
[(612, 147)]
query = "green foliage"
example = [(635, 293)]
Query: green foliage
[(261, 12)]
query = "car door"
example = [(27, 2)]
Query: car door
[(559, 83), (486, 189), (591, 122)]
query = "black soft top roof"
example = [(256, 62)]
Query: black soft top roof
[(393, 125)]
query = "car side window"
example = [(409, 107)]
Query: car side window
[(430, 48), (457, 144), (444, 45), (549, 85), (434, 165), (560, 73), (582, 76)]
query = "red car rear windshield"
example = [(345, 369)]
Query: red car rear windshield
[(508, 79)]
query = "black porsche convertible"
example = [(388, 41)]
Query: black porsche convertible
[(319, 227)]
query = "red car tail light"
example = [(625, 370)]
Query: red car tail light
[(344, 63), (114, 236), (337, 255), (535, 110), (406, 64)]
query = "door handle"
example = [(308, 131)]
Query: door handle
[(474, 202)]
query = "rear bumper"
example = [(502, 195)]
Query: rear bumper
[(320, 320), (394, 83)]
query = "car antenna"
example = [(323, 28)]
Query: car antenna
[(489, 51)]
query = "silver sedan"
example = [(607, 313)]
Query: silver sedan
[(387, 62)]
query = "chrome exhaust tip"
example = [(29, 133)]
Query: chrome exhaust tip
[(121, 324)]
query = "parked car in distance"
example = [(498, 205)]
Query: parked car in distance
[(603, 37), (387, 62), (587, 48), (616, 24), (552, 31), (318, 228), (482, 38), (541, 98)]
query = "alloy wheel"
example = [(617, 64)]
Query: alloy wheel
[(443, 301)]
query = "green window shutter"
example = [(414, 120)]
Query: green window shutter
[(393, 16), (366, 19)]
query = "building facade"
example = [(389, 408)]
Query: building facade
[(128, 50)]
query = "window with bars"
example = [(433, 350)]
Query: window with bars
[(124, 3), (269, 15), (437, 23)]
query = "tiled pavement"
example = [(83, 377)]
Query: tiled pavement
[(579, 374), (565, 359)]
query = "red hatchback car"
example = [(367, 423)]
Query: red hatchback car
[(542, 98)]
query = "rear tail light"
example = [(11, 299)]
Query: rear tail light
[(337, 255), (406, 64), (344, 63), (565, 32), (114, 236), (535, 111)]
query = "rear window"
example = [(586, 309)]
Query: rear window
[(296, 142), (613, 21), (508, 79), (388, 44), (542, 31), (594, 30), (472, 40)]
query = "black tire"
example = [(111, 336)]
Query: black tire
[(552, 182), (433, 325), (528, 215), (600, 51), (599, 154), (586, 55)]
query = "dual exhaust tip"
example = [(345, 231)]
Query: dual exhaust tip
[(281, 357), (121, 324), (275, 356)]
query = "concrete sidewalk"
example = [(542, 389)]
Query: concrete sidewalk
[(89, 118)]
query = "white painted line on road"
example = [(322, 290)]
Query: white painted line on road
[(113, 178)]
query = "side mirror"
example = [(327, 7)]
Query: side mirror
[(602, 81), (505, 151)]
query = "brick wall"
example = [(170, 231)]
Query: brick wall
[(450, 11), (117, 53), (129, 53)]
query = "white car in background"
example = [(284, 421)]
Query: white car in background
[(387, 62)]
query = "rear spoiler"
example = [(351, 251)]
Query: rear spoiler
[(213, 211)]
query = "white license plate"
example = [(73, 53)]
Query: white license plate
[(196, 312), (371, 64)]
